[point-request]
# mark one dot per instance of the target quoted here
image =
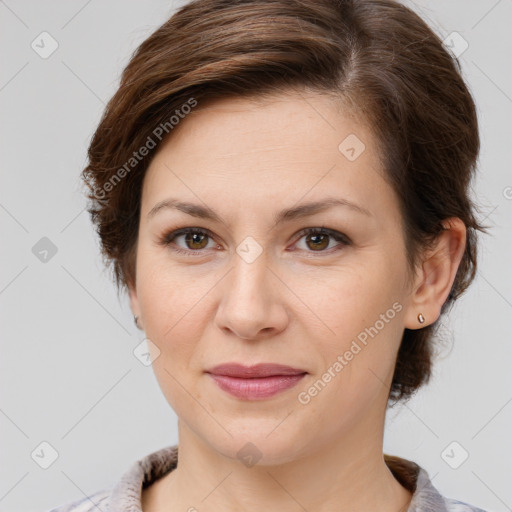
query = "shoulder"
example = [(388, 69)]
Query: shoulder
[(90, 503), (453, 505), (425, 498)]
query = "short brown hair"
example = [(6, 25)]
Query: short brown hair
[(377, 56)]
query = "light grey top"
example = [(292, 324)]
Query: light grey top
[(125, 495)]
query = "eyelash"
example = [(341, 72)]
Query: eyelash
[(168, 239)]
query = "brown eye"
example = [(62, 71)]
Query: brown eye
[(196, 241), (319, 240)]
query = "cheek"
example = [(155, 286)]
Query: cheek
[(361, 305), (170, 302), (351, 297), (173, 318)]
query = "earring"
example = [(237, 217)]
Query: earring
[(421, 319), (135, 319)]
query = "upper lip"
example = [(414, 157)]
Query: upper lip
[(258, 370)]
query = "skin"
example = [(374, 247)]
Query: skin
[(247, 159)]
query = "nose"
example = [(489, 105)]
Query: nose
[(252, 304)]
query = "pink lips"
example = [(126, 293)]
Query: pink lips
[(255, 382)]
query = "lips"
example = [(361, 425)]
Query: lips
[(257, 382), (253, 372)]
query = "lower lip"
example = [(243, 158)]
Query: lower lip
[(256, 389)]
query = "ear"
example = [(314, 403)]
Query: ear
[(434, 278), (134, 303)]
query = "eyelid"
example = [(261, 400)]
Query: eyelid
[(326, 231)]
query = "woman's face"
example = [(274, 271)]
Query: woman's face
[(247, 289)]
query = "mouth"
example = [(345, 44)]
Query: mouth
[(255, 382)]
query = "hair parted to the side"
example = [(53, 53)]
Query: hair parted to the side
[(377, 56)]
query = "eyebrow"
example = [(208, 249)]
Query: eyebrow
[(286, 215)]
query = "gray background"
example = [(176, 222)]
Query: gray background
[(68, 374)]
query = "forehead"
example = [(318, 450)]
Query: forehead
[(263, 151)]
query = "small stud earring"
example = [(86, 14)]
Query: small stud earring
[(421, 319)]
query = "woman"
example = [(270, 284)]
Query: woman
[(282, 189)]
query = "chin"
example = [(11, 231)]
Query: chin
[(254, 447)]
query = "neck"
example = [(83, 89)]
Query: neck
[(350, 474)]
